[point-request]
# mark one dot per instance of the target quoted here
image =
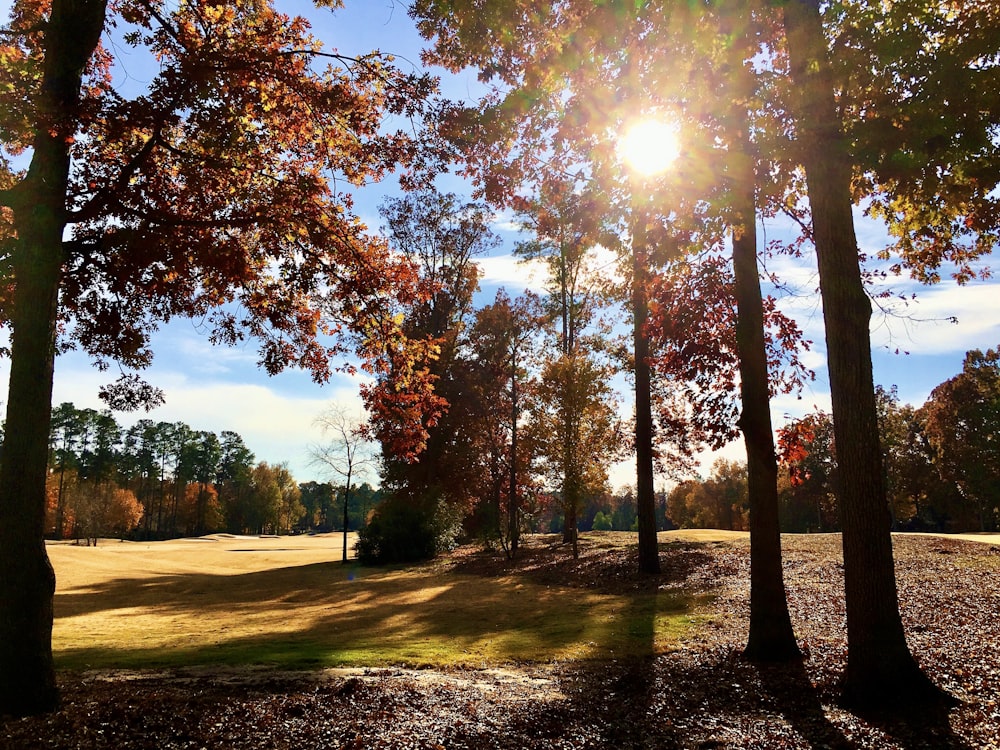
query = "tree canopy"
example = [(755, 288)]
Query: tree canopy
[(218, 192)]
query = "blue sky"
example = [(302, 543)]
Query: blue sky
[(222, 389)]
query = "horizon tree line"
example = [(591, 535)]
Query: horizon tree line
[(158, 480)]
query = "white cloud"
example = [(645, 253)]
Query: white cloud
[(274, 416), (508, 270), (206, 358), (506, 225), (926, 328)]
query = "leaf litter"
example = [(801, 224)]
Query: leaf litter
[(702, 696)]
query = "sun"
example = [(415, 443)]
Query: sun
[(649, 146)]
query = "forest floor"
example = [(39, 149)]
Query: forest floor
[(698, 693)]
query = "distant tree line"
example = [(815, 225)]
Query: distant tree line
[(156, 480), (942, 464), (323, 503)]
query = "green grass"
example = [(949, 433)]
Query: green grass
[(323, 614)]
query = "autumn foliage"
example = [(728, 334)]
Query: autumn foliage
[(220, 191), (214, 192), (89, 510)]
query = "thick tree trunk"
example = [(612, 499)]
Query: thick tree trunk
[(880, 667), (645, 500), (27, 581)]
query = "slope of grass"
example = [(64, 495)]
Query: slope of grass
[(291, 602)]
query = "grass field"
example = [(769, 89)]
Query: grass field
[(157, 646), (291, 601)]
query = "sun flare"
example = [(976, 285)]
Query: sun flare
[(649, 146)]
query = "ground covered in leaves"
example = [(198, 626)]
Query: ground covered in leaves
[(703, 695)]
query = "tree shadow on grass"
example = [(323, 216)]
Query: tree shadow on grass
[(630, 692), (701, 696), (326, 614), (918, 727), (796, 698)]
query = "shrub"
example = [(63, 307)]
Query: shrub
[(602, 522), (407, 529)]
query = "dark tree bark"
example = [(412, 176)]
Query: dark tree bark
[(347, 501), (27, 583), (771, 637), (880, 667), (645, 500), (513, 512)]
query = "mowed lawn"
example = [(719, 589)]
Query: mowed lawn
[(291, 601)]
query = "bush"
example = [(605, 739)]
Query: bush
[(602, 522), (407, 529)]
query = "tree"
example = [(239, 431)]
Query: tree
[(867, 126), (871, 127), (548, 125), (207, 455), (263, 507), (719, 502), (211, 187), (183, 453), (502, 344), (567, 227), (141, 468), (318, 500), (922, 500), (198, 510), (441, 235), (961, 423), (917, 496), (290, 508), (770, 636), (809, 456), (602, 522), (561, 101), (623, 515), (66, 432), (105, 509), (576, 428), (880, 666), (234, 479), (366, 498), (345, 454), (908, 468)]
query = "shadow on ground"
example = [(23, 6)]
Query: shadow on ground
[(702, 695)]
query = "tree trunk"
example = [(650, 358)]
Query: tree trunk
[(27, 583), (61, 501), (569, 444), (513, 521), (880, 667), (571, 505), (347, 500), (649, 558), (771, 637)]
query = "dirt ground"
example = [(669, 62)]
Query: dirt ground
[(703, 695)]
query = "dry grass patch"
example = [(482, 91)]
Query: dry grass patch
[(700, 696), (290, 601)]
